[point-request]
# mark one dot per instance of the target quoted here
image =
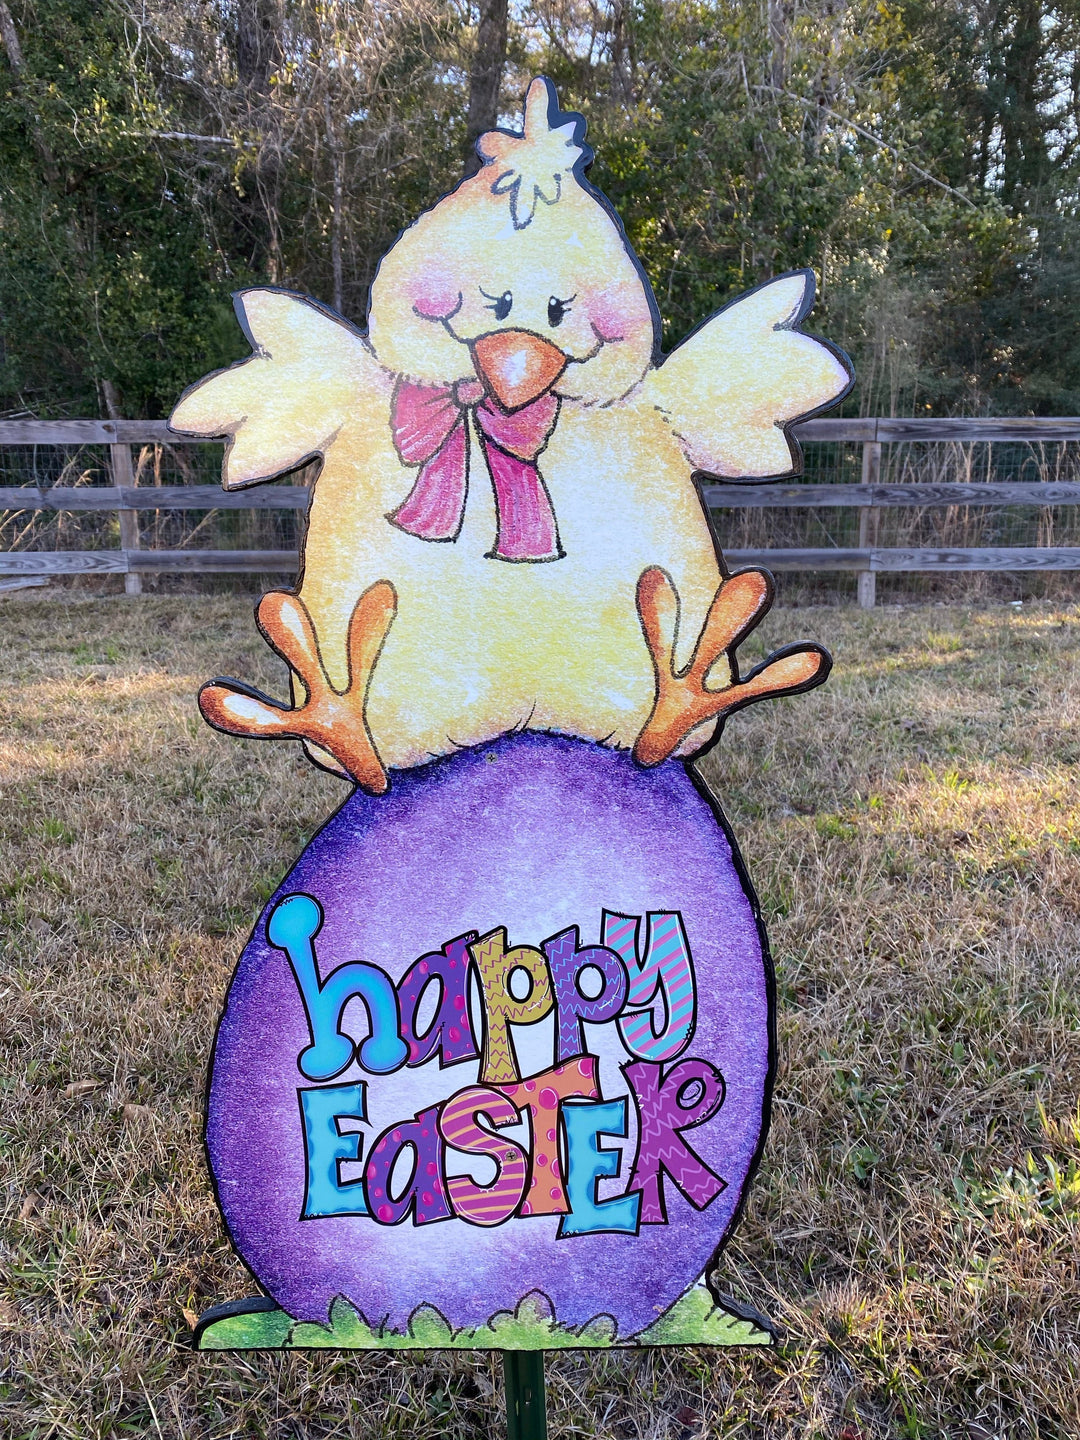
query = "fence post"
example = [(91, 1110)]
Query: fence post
[(124, 475), (868, 522)]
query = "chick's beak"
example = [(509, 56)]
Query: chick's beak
[(517, 366)]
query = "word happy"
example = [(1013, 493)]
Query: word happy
[(559, 1170)]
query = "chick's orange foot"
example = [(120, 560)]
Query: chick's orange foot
[(683, 699), (334, 721)]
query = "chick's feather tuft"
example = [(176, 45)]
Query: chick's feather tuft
[(531, 167)]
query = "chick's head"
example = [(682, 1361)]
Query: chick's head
[(521, 280)]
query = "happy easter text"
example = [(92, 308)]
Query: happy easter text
[(643, 966)]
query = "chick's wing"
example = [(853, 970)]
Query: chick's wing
[(307, 373), (744, 374)]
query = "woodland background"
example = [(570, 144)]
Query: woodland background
[(924, 158)]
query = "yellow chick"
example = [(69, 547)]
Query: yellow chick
[(505, 532)]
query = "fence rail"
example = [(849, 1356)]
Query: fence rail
[(868, 498), (881, 429)]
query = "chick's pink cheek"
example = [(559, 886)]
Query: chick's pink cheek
[(435, 297), (610, 318)]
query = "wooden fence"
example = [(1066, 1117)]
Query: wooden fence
[(869, 497)]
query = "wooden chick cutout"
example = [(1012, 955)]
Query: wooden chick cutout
[(505, 533), (541, 946)]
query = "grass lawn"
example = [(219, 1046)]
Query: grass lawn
[(914, 833)]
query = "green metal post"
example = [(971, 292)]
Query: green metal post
[(526, 1402)]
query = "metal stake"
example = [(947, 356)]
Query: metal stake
[(526, 1402)]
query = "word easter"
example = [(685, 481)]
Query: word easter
[(558, 1172)]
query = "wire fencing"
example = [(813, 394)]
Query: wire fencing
[(928, 527), (819, 544), (160, 466)]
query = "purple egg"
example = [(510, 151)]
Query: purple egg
[(535, 833)]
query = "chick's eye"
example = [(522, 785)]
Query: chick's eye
[(500, 304), (558, 310)]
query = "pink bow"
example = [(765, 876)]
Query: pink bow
[(430, 430)]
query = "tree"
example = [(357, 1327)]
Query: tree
[(485, 77), (106, 273), (156, 154)]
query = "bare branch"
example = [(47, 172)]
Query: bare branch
[(813, 105), (179, 135)]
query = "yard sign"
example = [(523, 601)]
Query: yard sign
[(494, 1068)]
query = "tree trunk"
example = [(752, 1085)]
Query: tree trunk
[(1022, 124), (777, 45), (622, 57), (258, 54), (257, 47), (336, 169), (485, 77), (9, 38)]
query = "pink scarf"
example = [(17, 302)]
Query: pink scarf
[(430, 430)]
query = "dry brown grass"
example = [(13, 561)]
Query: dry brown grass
[(914, 830)]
